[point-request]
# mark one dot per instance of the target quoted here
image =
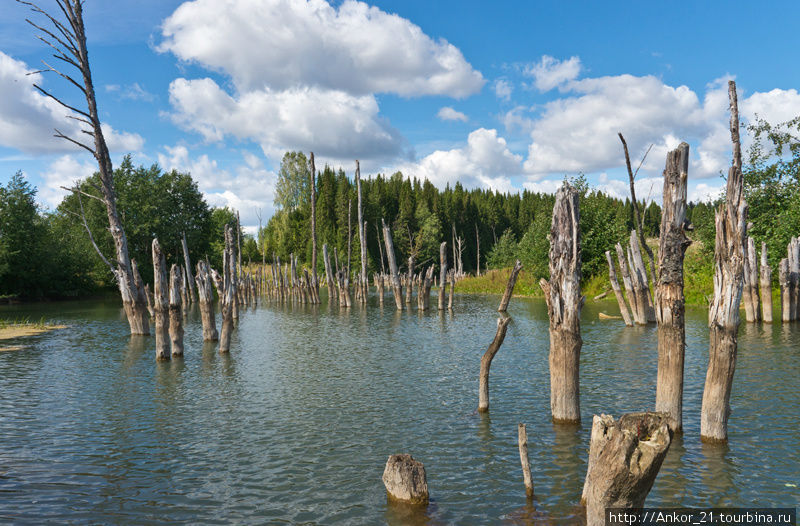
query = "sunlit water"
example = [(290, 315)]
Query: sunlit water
[(296, 424)]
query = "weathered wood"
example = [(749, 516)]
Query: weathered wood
[(639, 278), (766, 286), (794, 278), (161, 302), (314, 280), (188, 264), (478, 243), (612, 276), (175, 310), (452, 274), (328, 272), (206, 301), (362, 239), (750, 295), (522, 441), (149, 296), (380, 286), (638, 313), (723, 317), (227, 294), (405, 480), (395, 274), (486, 363), (424, 290), (786, 290), (410, 280), (512, 281), (670, 307), (442, 273), (564, 302), (184, 292), (624, 459)]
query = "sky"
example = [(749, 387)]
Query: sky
[(506, 95)]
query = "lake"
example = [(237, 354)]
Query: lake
[(294, 426)]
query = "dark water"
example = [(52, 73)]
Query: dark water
[(296, 424)]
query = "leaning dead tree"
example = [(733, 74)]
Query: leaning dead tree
[(67, 38), (161, 303), (638, 214), (564, 302), (486, 363), (395, 274), (512, 281), (612, 276), (670, 303), (723, 317), (188, 263)]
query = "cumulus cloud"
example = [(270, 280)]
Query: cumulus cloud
[(130, 92), (503, 89), (64, 171), (447, 113), (352, 48), (550, 72), (28, 118)]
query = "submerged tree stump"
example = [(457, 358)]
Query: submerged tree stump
[(624, 459), (639, 277), (794, 277), (486, 363), (206, 300), (161, 302), (328, 272), (175, 310), (564, 302), (670, 302), (522, 441), (452, 289), (442, 273), (395, 274), (786, 290), (227, 294), (405, 480), (723, 316), (612, 276), (512, 281), (766, 286), (750, 296)]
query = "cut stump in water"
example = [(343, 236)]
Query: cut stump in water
[(522, 440), (161, 303), (405, 479)]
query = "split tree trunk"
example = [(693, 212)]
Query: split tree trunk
[(175, 310), (188, 263), (639, 313), (723, 317), (640, 279), (612, 276), (564, 302), (670, 303), (161, 303), (786, 290), (424, 290), (750, 296), (206, 300), (794, 278), (486, 363), (396, 287), (442, 273), (512, 281), (766, 286), (228, 293), (624, 459)]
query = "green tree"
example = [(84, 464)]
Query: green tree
[(293, 188)]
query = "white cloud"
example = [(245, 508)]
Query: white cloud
[(550, 72), (516, 120), (354, 48), (703, 193), (28, 118), (447, 113), (64, 171), (131, 92), (503, 89)]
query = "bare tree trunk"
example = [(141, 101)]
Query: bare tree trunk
[(639, 313), (349, 236), (478, 243), (424, 290), (486, 363), (522, 440), (328, 271), (206, 300), (442, 273), (452, 274), (149, 296), (564, 303), (227, 294), (612, 276), (314, 281), (766, 286), (396, 287), (410, 282), (786, 290), (362, 238), (161, 303), (512, 281), (639, 276), (175, 314), (380, 286), (380, 248), (750, 296), (624, 459), (794, 277), (731, 223), (188, 263), (670, 303)]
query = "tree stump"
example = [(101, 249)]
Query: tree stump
[(512, 281), (410, 280), (161, 302), (766, 286), (640, 280), (442, 273), (405, 480), (175, 310), (396, 287), (564, 302), (522, 440), (227, 293), (452, 290), (612, 276), (794, 278), (750, 296), (670, 302), (206, 300), (624, 459), (638, 313), (486, 363)]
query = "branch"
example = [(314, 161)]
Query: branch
[(70, 79), (47, 93), (73, 141), (91, 237), (79, 191)]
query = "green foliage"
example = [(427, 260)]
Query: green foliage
[(293, 188), (504, 252)]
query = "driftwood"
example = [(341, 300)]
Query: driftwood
[(624, 459), (522, 441), (723, 317), (175, 310), (442, 273), (750, 295), (405, 480), (564, 302), (612, 275), (486, 363), (396, 287), (161, 303), (206, 300), (766, 286), (670, 302), (512, 281)]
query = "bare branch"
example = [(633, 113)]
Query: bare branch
[(67, 77), (91, 237), (73, 141), (77, 190), (642, 161), (48, 94)]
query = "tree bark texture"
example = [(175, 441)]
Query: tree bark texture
[(228, 293), (395, 274), (188, 263), (640, 280), (612, 276), (670, 303), (205, 294), (766, 286), (512, 281), (486, 363), (442, 273), (522, 441), (161, 303), (405, 480), (175, 310), (750, 295)]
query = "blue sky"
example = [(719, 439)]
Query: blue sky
[(507, 95)]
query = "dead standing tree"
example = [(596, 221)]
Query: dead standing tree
[(363, 285), (670, 302), (612, 276), (723, 317), (486, 363), (161, 303), (68, 40), (564, 302), (397, 288), (314, 281), (638, 215)]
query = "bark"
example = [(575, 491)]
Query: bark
[(379, 285), (328, 272), (395, 274), (522, 440), (442, 273), (452, 274), (478, 243), (424, 290), (786, 290), (512, 281), (612, 276), (564, 302), (624, 459), (149, 296), (766, 286), (794, 278), (405, 479), (723, 317), (188, 263), (161, 303), (362, 239), (314, 282), (486, 364), (206, 300), (639, 313), (639, 278), (175, 310), (750, 295), (670, 302), (410, 280), (227, 294)]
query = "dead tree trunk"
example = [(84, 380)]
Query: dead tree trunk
[(564, 302), (396, 287), (328, 271), (410, 282), (486, 363), (723, 317), (639, 313), (228, 293), (794, 278), (624, 459), (380, 248), (424, 290), (452, 275), (206, 300), (750, 296), (612, 276), (149, 296), (349, 236), (478, 244), (640, 281), (314, 281), (512, 281), (522, 441), (161, 303), (188, 263), (442, 273), (362, 239), (786, 290), (175, 314), (766, 286), (670, 303), (380, 287)]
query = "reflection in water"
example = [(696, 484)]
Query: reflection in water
[(718, 474), (570, 455), (402, 514)]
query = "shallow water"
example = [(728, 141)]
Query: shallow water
[(296, 424)]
